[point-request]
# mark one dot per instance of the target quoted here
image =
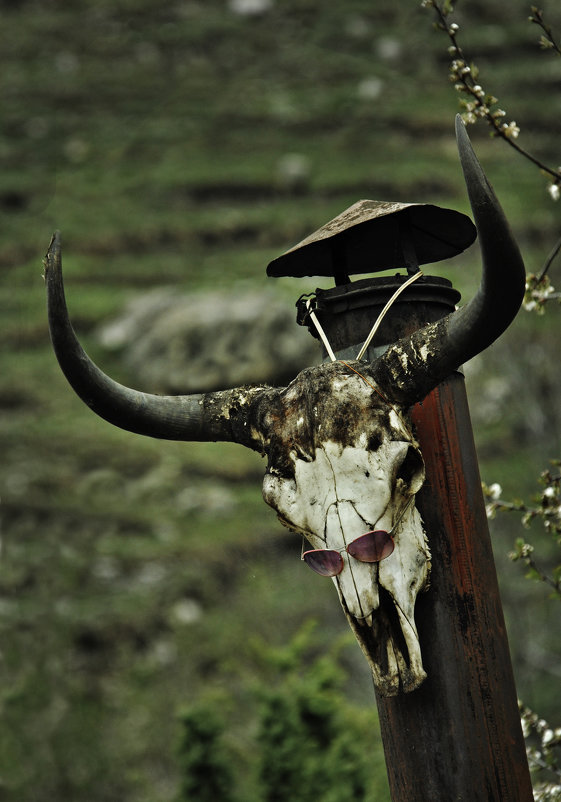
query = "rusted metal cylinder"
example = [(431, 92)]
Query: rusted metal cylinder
[(458, 737), (347, 313)]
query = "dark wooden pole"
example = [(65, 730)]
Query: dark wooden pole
[(458, 737)]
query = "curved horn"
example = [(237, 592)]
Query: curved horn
[(226, 415), (416, 364)]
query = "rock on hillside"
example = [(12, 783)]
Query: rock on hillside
[(209, 341)]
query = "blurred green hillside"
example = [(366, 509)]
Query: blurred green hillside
[(137, 576)]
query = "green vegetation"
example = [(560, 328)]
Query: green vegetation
[(207, 774), (309, 743), (136, 575)]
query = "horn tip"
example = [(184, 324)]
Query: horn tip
[(52, 262), (462, 136), (459, 121)]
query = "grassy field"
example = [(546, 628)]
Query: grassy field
[(139, 576)]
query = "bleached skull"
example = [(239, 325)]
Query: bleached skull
[(342, 458), (342, 462)]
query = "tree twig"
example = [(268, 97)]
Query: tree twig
[(549, 260), (480, 103)]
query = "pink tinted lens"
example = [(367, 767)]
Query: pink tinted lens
[(324, 561), (371, 547)]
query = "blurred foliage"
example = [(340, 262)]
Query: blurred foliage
[(206, 773), (313, 745), (309, 743), (543, 742), (186, 144), (543, 747)]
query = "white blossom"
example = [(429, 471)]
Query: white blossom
[(547, 737), (510, 130)]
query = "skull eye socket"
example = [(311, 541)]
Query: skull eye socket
[(411, 471)]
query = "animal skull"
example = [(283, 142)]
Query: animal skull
[(341, 455), (343, 462)]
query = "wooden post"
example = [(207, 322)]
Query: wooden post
[(458, 737)]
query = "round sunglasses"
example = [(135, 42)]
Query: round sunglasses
[(368, 548)]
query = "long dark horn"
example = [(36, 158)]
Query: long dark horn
[(413, 366), (226, 415)]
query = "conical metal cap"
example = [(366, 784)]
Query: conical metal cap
[(377, 235)]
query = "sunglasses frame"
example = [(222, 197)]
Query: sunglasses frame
[(339, 552)]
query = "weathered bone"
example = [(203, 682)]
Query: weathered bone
[(342, 462), (341, 455)]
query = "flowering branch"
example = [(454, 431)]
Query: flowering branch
[(547, 42), (547, 507), (539, 291), (542, 757), (523, 551), (477, 103)]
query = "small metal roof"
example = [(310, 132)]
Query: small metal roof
[(377, 235)]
